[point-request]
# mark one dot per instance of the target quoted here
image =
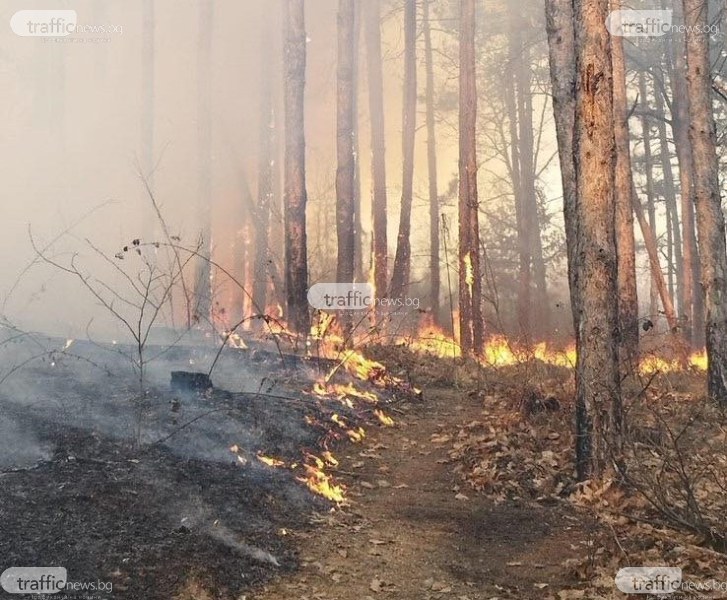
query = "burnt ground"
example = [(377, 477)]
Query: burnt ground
[(143, 492), (412, 532)]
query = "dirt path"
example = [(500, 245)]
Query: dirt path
[(412, 533)]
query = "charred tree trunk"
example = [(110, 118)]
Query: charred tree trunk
[(625, 244), (598, 395), (296, 258), (561, 47), (710, 219), (378, 146), (434, 279), (402, 259), (345, 172), (470, 292)]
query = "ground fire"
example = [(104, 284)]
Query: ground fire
[(363, 299)]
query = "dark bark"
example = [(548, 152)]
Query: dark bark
[(434, 278), (402, 259), (378, 146), (470, 291), (625, 244), (345, 172), (296, 259), (710, 219), (561, 47)]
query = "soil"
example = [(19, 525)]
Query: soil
[(183, 520), (412, 531)]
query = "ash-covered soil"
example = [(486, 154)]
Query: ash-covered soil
[(142, 491)]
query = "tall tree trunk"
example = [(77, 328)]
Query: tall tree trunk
[(649, 172), (710, 219), (434, 279), (625, 244), (670, 199), (561, 47), (266, 175), (540, 312), (693, 296), (402, 259), (203, 283), (345, 172), (296, 258), (598, 396), (358, 243), (524, 293), (378, 145), (654, 263), (470, 286)]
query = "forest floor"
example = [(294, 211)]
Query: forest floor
[(413, 532), (420, 526)]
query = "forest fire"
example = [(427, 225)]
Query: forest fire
[(385, 419), (320, 482), (270, 461)]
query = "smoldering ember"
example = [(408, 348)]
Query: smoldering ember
[(363, 299)]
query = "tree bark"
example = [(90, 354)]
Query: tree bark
[(561, 48), (378, 145), (649, 172), (470, 291), (598, 396), (434, 278), (524, 248), (693, 297), (670, 200), (402, 259), (358, 255), (296, 259), (540, 312), (654, 263), (345, 172), (625, 244), (710, 219)]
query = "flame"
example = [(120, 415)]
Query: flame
[(343, 393), (270, 462), (386, 420), (501, 352), (320, 482), (355, 435)]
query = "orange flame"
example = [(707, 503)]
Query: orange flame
[(386, 420), (321, 483), (270, 462)]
